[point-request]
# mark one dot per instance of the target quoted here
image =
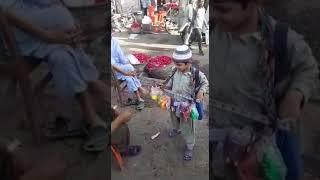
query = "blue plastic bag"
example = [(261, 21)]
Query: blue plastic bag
[(199, 106), (288, 145)]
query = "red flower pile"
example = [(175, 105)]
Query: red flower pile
[(158, 62), (143, 58)]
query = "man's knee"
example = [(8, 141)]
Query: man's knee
[(121, 136), (60, 58)]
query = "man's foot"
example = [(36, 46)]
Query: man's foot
[(140, 105), (133, 150), (201, 53), (188, 154), (131, 102), (63, 128), (174, 133)]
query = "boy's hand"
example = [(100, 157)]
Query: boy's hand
[(200, 95), (290, 106)]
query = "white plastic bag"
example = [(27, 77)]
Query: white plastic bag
[(132, 59), (146, 20)]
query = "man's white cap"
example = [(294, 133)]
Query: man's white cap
[(182, 54)]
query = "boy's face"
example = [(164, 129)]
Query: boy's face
[(230, 15), (182, 67)]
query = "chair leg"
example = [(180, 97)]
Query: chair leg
[(119, 95), (39, 87), (33, 120)]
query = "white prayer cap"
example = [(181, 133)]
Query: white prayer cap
[(182, 54)]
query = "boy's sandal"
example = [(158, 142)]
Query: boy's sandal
[(132, 150), (174, 133), (188, 154)]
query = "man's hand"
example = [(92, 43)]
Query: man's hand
[(290, 106), (200, 95), (132, 73), (63, 37)]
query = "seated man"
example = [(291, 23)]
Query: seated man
[(47, 31), (126, 72)]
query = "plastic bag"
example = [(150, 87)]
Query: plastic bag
[(146, 20), (132, 59), (272, 163), (165, 102), (155, 93), (194, 115)]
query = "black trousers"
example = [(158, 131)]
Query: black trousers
[(145, 11), (197, 37)]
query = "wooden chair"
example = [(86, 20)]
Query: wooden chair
[(118, 86), (17, 69)]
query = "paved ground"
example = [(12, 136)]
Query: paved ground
[(162, 158)]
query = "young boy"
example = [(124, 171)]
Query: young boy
[(245, 75), (182, 83)]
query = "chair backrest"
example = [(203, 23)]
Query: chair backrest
[(3, 50), (7, 42)]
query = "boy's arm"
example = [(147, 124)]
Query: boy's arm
[(304, 79), (204, 83), (204, 86)]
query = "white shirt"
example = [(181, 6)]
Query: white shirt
[(189, 12), (200, 18), (144, 3)]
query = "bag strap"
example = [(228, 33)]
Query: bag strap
[(282, 66), (170, 77), (196, 79)]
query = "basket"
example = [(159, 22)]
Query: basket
[(139, 67)]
